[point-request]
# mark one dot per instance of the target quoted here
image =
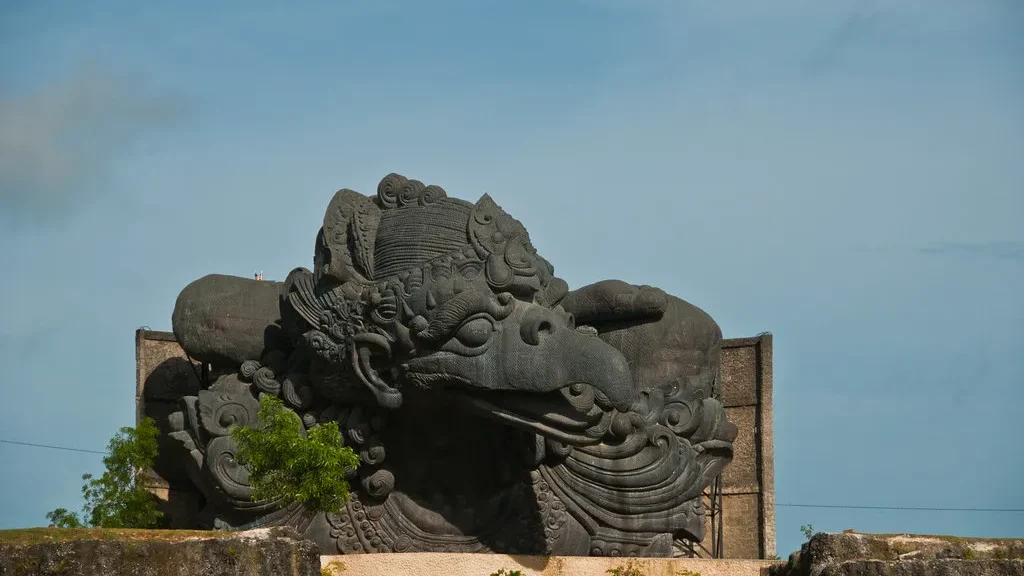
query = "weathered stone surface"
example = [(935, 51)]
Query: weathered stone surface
[(740, 526), (743, 473), (444, 564), (745, 385), (165, 372), (739, 370), (166, 467), (226, 320), (851, 554), (92, 552)]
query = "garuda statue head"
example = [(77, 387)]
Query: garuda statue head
[(493, 408)]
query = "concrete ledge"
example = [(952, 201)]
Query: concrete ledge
[(444, 564)]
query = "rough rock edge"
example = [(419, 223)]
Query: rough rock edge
[(850, 553), (263, 552)]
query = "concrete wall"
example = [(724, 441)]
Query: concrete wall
[(163, 374), (748, 502), (745, 384), (433, 563)]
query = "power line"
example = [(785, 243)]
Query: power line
[(779, 505), (53, 447), (921, 508)]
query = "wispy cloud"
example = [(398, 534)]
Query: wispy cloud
[(998, 250), (57, 143), (855, 29)]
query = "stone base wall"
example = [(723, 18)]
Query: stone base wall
[(280, 552), (439, 564), (104, 552)]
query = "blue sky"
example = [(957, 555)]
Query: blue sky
[(846, 175)]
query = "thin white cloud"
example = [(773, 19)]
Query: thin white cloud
[(1013, 251), (57, 143)]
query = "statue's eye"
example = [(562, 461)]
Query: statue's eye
[(475, 332), (473, 337)]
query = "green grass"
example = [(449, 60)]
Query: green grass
[(41, 535)]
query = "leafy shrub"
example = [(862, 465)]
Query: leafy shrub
[(808, 531), (286, 465)]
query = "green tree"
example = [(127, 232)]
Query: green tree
[(286, 465), (117, 499), (61, 518)]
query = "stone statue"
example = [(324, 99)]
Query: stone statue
[(494, 409)]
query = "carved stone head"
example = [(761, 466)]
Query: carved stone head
[(493, 408)]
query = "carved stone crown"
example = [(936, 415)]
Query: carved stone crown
[(409, 224)]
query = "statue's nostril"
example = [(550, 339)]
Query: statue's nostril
[(536, 322)]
